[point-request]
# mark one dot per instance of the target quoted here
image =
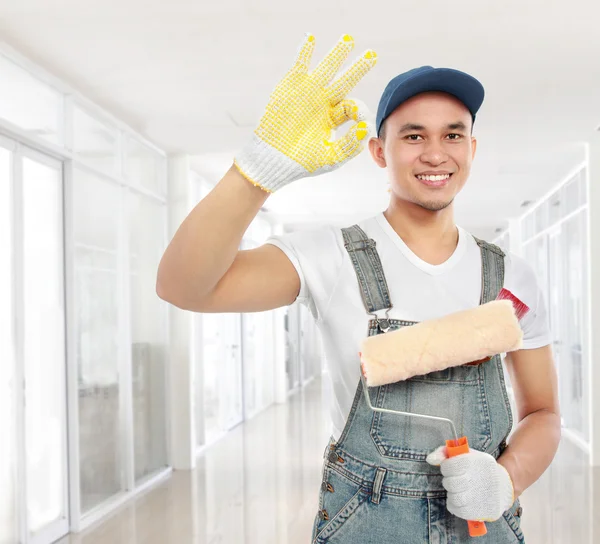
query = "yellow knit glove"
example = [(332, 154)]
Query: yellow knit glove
[(293, 138)]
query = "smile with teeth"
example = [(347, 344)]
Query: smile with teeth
[(441, 177), (434, 181)]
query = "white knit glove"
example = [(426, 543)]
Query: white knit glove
[(479, 488), (294, 137)]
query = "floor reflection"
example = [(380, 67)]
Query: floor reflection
[(259, 485)]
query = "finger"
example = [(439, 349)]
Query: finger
[(347, 81), (455, 466), (456, 504), (454, 484), (345, 110), (305, 53), (436, 457), (330, 65), (348, 110), (349, 145)]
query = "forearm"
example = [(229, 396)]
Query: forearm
[(206, 243), (531, 449)]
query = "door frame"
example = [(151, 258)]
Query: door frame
[(60, 527)]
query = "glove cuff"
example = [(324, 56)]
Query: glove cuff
[(266, 167)]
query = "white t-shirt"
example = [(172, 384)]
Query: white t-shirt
[(418, 291)]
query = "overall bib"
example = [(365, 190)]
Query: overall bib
[(377, 487)]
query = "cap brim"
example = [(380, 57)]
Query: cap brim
[(459, 84)]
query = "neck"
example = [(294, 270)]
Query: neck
[(416, 225)]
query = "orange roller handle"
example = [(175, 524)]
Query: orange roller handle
[(458, 447)]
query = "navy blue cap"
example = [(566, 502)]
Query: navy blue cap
[(426, 78)]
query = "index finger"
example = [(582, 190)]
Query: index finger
[(330, 65), (340, 88)]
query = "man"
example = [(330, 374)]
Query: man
[(384, 478)]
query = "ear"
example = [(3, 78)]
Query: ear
[(473, 147), (376, 150)]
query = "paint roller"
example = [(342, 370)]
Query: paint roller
[(466, 337)]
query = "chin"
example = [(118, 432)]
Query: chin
[(433, 206)]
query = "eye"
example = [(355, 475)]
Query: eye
[(413, 137), (454, 136)]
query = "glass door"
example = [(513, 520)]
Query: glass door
[(43, 351), (221, 395), (555, 296), (574, 379), (210, 395), (232, 391), (148, 337), (97, 329), (292, 346), (258, 361), (33, 417)]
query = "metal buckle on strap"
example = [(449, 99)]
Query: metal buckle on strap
[(383, 322)]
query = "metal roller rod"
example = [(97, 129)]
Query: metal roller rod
[(408, 414)]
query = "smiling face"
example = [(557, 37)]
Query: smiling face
[(428, 149)]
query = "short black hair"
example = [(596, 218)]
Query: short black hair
[(382, 130)]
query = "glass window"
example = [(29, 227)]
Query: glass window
[(32, 105), (147, 222), (528, 226), (97, 331), (555, 207), (585, 324), (94, 142), (144, 166), (574, 369)]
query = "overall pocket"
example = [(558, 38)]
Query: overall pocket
[(456, 393), (513, 518), (340, 498)]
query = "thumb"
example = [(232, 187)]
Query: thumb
[(437, 456)]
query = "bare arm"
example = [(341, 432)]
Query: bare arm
[(535, 440), (202, 269)]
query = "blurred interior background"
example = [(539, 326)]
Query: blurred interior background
[(125, 420)]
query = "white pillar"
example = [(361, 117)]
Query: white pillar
[(181, 368), (594, 275)]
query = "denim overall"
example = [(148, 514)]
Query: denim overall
[(377, 487)]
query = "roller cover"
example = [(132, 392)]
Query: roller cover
[(437, 344)]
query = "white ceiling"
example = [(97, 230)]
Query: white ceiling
[(193, 76)]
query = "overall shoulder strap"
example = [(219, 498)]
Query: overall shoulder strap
[(369, 272), (492, 270)]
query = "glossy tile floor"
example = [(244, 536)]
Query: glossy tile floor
[(259, 485)]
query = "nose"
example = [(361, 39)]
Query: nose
[(434, 154)]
